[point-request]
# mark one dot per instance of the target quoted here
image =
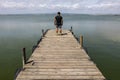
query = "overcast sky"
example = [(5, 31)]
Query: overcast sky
[(65, 6)]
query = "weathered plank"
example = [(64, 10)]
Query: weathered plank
[(42, 77), (63, 70), (60, 57)]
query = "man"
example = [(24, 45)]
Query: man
[(58, 21)]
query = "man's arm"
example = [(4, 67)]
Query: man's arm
[(62, 21)]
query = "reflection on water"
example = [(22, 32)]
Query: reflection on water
[(101, 37)]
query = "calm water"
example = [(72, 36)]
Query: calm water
[(101, 38)]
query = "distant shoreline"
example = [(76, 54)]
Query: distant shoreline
[(63, 14)]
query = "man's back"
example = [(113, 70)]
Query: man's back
[(58, 20)]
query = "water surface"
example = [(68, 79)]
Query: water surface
[(101, 38)]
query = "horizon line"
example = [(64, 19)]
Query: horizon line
[(62, 13)]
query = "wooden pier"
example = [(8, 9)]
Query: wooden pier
[(60, 57)]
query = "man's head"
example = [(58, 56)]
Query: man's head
[(58, 13)]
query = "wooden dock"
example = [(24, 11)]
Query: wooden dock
[(60, 57)]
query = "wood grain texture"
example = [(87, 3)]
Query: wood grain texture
[(60, 57)]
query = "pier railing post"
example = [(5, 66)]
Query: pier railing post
[(24, 56), (81, 41), (71, 30), (43, 32)]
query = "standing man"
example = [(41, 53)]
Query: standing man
[(58, 21)]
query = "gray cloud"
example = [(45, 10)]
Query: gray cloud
[(74, 6)]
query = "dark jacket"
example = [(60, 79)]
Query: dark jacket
[(58, 20)]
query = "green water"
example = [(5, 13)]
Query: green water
[(101, 38)]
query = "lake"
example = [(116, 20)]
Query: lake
[(101, 39)]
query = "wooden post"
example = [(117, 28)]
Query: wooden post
[(43, 32), (24, 57), (33, 48), (81, 41), (71, 29)]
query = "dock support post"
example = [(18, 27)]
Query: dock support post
[(24, 57), (71, 29), (81, 41), (42, 32)]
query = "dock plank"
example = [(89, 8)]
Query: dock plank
[(60, 57)]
